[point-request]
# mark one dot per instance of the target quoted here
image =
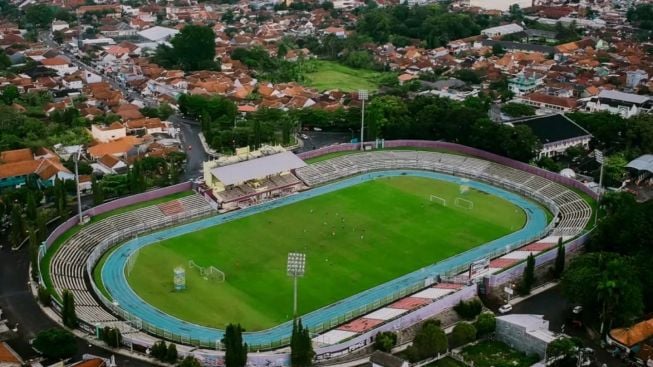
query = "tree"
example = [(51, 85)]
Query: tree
[(517, 109), (235, 349), (40, 15), (301, 346), (468, 309), (44, 296), (10, 92), (562, 350), (193, 48), (33, 253), (56, 343), (60, 197), (385, 341), (600, 282), (497, 49), (171, 353), (190, 361), (98, 191), (159, 350), (430, 340), (17, 233), (111, 336), (486, 323), (560, 260), (462, 334), (68, 315), (529, 275)]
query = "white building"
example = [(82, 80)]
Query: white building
[(526, 333), (502, 30), (105, 134), (619, 103), (59, 25), (502, 5), (158, 34)]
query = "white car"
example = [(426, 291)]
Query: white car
[(505, 308)]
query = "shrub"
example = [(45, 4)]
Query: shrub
[(159, 350), (486, 323), (463, 333), (468, 310), (171, 353), (385, 341), (44, 297)]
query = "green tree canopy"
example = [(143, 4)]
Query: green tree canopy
[(193, 48), (56, 343)]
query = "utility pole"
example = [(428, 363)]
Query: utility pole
[(79, 195), (598, 155), (363, 95)]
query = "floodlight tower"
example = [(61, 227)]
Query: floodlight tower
[(363, 95), (295, 268), (598, 155)]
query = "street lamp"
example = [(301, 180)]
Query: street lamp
[(295, 269), (598, 155), (363, 95)]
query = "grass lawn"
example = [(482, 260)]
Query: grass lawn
[(492, 353), (332, 75), (45, 262), (354, 238), (446, 362)]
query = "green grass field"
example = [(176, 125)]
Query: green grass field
[(332, 75), (354, 238)]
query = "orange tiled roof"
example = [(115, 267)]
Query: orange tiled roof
[(116, 147), (8, 356), (11, 156), (634, 334)]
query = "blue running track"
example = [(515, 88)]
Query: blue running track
[(113, 272)]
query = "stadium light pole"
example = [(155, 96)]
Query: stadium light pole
[(79, 196), (295, 267), (363, 95), (598, 155)]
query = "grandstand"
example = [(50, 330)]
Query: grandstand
[(68, 265), (251, 177), (574, 212)]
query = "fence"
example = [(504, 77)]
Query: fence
[(462, 149), (517, 271)]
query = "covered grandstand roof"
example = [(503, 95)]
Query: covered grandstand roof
[(552, 128), (257, 168), (643, 163)]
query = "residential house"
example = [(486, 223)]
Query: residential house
[(8, 357), (17, 165), (620, 103), (548, 104), (104, 133), (109, 164)]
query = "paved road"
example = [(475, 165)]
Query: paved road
[(196, 155), (19, 306)]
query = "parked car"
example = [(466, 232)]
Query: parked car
[(505, 308)]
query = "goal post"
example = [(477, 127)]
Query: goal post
[(464, 203), (438, 199), (208, 272)]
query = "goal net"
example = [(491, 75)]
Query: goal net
[(208, 272), (131, 262), (438, 199), (464, 203)]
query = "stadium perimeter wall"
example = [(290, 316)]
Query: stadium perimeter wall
[(457, 148), (116, 204)]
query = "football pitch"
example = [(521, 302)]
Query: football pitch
[(354, 239)]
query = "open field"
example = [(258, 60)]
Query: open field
[(332, 75), (354, 238)]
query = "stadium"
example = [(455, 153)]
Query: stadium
[(390, 236)]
